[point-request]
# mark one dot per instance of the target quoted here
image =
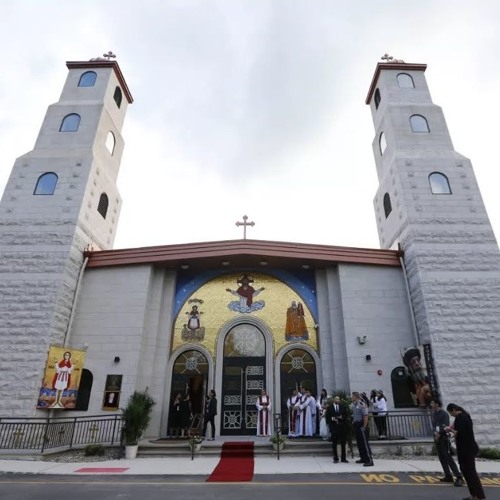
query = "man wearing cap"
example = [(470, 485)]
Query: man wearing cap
[(360, 424)]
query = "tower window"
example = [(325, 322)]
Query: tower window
[(46, 183), (102, 207), (405, 81), (387, 205), (117, 96), (87, 79), (110, 142), (419, 124), (382, 143), (377, 98), (70, 123), (439, 183)]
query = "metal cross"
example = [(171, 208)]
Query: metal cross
[(387, 57), (245, 224), (109, 55)]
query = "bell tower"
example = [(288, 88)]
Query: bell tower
[(60, 199), (428, 204)]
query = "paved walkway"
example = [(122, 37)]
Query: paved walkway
[(205, 465)]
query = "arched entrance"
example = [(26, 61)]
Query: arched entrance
[(297, 370), (189, 376), (243, 377)]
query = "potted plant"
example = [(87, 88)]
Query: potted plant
[(136, 416), (278, 441), (194, 443)]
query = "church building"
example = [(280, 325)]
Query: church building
[(84, 325)]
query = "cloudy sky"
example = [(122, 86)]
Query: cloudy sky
[(254, 106)]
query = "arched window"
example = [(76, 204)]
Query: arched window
[(70, 123), (84, 390), (405, 81), (387, 205), (46, 183), (117, 96), (439, 183), (87, 79), (110, 142), (102, 207), (377, 98), (382, 143), (419, 124)]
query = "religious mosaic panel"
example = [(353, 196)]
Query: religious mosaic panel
[(284, 303)]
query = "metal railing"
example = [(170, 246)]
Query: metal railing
[(59, 432), (403, 425)]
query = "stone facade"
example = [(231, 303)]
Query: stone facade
[(451, 256)]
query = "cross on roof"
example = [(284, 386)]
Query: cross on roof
[(109, 55), (245, 224)]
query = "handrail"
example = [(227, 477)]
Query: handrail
[(66, 432)]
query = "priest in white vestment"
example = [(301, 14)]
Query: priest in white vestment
[(293, 414), (264, 414), (305, 414)]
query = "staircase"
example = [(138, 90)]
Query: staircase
[(293, 447)]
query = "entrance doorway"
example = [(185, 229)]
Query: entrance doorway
[(297, 370), (189, 376), (243, 378)]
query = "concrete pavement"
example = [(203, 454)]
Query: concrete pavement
[(204, 465)]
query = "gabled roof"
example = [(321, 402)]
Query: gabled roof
[(242, 253)]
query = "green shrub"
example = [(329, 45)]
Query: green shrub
[(94, 450), (491, 453)]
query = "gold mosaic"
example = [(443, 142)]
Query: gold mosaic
[(242, 295)]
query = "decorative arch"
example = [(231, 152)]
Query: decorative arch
[(377, 98), (251, 369), (311, 377), (170, 389)]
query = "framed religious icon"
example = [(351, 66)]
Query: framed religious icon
[(112, 390)]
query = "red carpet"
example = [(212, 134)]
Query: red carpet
[(235, 464)]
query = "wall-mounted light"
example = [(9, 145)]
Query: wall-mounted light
[(225, 263), (184, 266), (362, 340), (368, 357), (264, 263), (117, 359), (305, 266)]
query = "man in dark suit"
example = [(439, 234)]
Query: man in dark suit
[(337, 419)]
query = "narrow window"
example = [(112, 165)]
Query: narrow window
[(87, 79), (84, 390), (110, 142), (117, 96), (439, 183), (382, 143), (387, 205), (70, 123), (419, 124), (377, 98), (405, 81), (102, 207), (46, 183)]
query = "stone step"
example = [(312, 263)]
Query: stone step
[(307, 447)]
